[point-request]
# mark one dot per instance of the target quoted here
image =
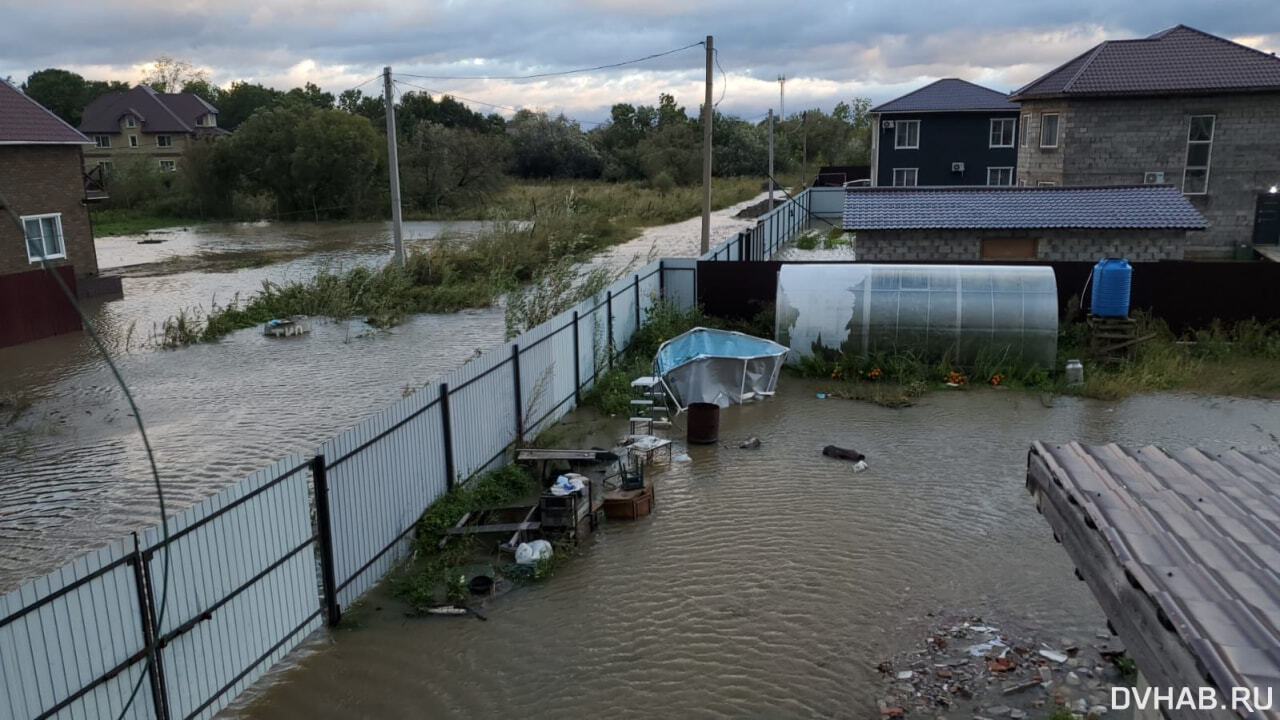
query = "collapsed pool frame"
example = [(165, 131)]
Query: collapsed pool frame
[(724, 367)]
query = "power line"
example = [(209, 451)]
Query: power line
[(724, 78), (487, 104), (557, 73)]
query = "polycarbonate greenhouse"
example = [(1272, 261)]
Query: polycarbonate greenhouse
[(964, 311)]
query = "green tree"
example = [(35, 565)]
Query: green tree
[(357, 103), (241, 100), (442, 166), (312, 95), (545, 147), (334, 163), (205, 90), (62, 91)]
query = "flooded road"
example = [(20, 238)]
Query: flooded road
[(73, 472), (770, 582)]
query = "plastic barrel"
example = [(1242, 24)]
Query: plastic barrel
[(1111, 280), (704, 423)]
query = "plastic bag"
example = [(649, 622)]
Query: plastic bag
[(531, 552), (568, 484)]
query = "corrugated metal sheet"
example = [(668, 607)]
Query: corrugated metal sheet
[(1196, 534)]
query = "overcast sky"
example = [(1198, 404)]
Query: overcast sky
[(829, 51)]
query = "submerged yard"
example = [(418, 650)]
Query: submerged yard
[(768, 582)]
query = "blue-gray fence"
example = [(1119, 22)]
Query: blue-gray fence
[(177, 626)]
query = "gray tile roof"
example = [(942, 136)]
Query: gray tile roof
[(24, 121), (158, 112), (1177, 60), (1189, 541), (948, 94), (974, 208)]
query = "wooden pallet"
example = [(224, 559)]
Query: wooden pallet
[(1114, 339)]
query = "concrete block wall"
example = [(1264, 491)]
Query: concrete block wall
[(40, 179), (1051, 245), (1114, 141)]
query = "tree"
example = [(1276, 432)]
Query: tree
[(168, 75), (334, 163), (62, 91), (242, 100), (312, 95), (442, 165), (355, 102), (205, 90), (544, 147)]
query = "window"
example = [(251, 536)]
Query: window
[(1026, 123), (164, 140), (905, 176), (1049, 130), (1002, 132), (130, 122), (102, 141), (906, 135), (1046, 183), (999, 176), (168, 165), (105, 166), (1195, 179), (133, 141), (44, 237)]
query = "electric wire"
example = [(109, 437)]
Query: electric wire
[(724, 78), (559, 72), (486, 104)]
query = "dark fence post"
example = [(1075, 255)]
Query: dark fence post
[(637, 328), (446, 425), (515, 379), (662, 281), (324, 528), (147, 619), (577, 365), (608, 307)]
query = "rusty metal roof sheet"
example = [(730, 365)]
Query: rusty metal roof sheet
[(1196, 533)]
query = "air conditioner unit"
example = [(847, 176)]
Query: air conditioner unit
[(957, 167), (1153, 178), (886, 124)]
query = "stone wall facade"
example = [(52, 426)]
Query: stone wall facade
[(1115, 141), (41, 179), (1051, 244)]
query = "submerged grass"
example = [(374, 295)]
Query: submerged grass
[(119, 221)]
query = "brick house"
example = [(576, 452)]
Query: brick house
[(957, 223), (44, 219), (1182, 107), (145, 123), (949, 132)]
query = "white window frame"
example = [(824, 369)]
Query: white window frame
[(44, 243), (168, 141), (1057, 129), (105, 166), (1046, 183), (915, 177), (897, 134), (1208, 158), (1025, 129), (133, 141), (102, 141), (168, 166), (130, 122), (1013, 134), (998, 169)]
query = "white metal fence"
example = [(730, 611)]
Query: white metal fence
[(161, 628)]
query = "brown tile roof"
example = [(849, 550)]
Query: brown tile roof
[(1177, 60), (157, 112), (24, 121)]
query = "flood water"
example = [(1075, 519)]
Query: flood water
[(770, 582)]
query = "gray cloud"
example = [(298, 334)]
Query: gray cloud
[(831, 51)]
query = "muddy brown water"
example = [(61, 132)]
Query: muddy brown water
[(73, 473), (767, 583)]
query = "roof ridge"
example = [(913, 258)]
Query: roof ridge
[(1093, 55), (1224, 41), (160, 101), (46, 110), (920, 89)]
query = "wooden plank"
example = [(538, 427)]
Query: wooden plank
[(551, 454), (494, 528)]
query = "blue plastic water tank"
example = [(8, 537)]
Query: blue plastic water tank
[(1111, 280)]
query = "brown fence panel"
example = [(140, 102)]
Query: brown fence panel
[(32, 306)]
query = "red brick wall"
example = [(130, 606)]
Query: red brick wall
[(38, 179)]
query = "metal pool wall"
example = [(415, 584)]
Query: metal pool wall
[(178, 626)]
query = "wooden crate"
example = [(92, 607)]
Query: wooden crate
[(629, 504)]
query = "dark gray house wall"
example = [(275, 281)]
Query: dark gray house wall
[(945, 138), (1107, 141)]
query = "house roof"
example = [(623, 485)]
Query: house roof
[(1178, 60), (983, 208), (157, 112), (1189, 538), (948, 95), (24, 121)]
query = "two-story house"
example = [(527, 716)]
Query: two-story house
[(145, 123), (949, 132), (1181, 107), (44, 222)]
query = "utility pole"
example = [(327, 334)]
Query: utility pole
[(782, 97), (393, 160), (770, 159), (707, 115)]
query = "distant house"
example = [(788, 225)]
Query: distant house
[(145, 123), (43, 219), (949, 132), (1139, 222), (1181, 107)]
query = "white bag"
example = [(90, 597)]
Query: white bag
[(531, 552)]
